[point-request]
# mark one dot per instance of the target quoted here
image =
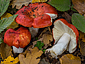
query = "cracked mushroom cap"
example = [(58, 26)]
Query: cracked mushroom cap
[(18, 38), (38, 15), (61, 26)]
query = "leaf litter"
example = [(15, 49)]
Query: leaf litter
[(32, 57), (44, 37)]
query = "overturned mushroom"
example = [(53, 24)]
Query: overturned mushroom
[(65, 36), (18, 39), (36, 15)]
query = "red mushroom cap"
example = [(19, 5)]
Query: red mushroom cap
[(61, 26), (36, 15), (18, 38)]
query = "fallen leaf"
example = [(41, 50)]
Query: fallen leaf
[(43, 61), (32, 57), (47, 39), (70, 59), (5, 22), (3, 6), (13, 24), (61, 5), (67, 16), (5, 50), (6, 15), (78, 21), (33, 1), (82, 36), (10, 60), (19, 3), (82, 47), (79, 5)]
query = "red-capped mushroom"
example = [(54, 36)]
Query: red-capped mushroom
[(18, 39), (65, 36), (38, 15)]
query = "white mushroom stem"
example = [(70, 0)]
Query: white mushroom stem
[(17, 50), (33, 31), (60, 47)]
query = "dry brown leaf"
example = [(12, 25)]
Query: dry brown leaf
[(82, 47), (82, 36), (47, 39), (19, 3), (82, 43), (70, 59), (67, 16), (43, 61), (31, 56), (79, 5), (5, 50)]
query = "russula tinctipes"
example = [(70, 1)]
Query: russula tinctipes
[(18, 39), (38, 15), (65, 36)]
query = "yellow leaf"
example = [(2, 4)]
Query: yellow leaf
[(10, 60), (33, 1), (31, 56), (13, 24), (70, 59)]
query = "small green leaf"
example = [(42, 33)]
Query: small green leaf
[(44, 50), (1, 41), (78, 21), (39, 45), (3, 6), (61, 5), (5, 22), (73, 9)]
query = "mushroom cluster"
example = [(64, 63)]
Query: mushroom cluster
[(18, 39), (40, 15)]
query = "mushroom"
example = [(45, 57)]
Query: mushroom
[(18, 39), (36, 15), (65, 36)]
